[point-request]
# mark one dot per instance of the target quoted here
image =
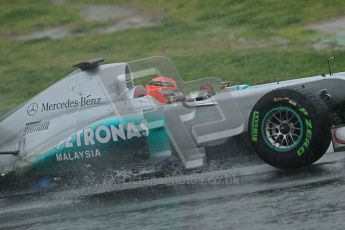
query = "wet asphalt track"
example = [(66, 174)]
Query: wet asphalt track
[(254, 196)]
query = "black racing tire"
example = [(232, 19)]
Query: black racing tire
[(296, 139)]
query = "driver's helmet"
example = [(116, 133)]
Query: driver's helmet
[(162, 83), (164, 89)]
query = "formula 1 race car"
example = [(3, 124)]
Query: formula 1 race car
[(99, 116)]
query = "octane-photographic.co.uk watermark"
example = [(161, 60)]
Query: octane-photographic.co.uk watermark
[(182, 180)]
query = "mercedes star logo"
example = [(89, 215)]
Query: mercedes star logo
[(32, 109)]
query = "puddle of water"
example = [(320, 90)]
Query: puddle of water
[(335, 30), (105, 12), (119, 17), (337, 39), (59, 2), (244, 43), (133, 22), (335, 26), (53, 33)]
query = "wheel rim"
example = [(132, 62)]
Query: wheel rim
[(282, 129)]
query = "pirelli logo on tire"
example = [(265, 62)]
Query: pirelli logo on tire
[(255, 126)]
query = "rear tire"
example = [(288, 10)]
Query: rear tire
[(290, 128)]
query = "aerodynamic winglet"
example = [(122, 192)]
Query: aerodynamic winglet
[(90, 64), (9, 153)]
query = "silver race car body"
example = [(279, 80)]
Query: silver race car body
[(99, 116)]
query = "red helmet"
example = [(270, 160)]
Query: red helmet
[(158, 86)]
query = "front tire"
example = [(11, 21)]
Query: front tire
[(290, 128)]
